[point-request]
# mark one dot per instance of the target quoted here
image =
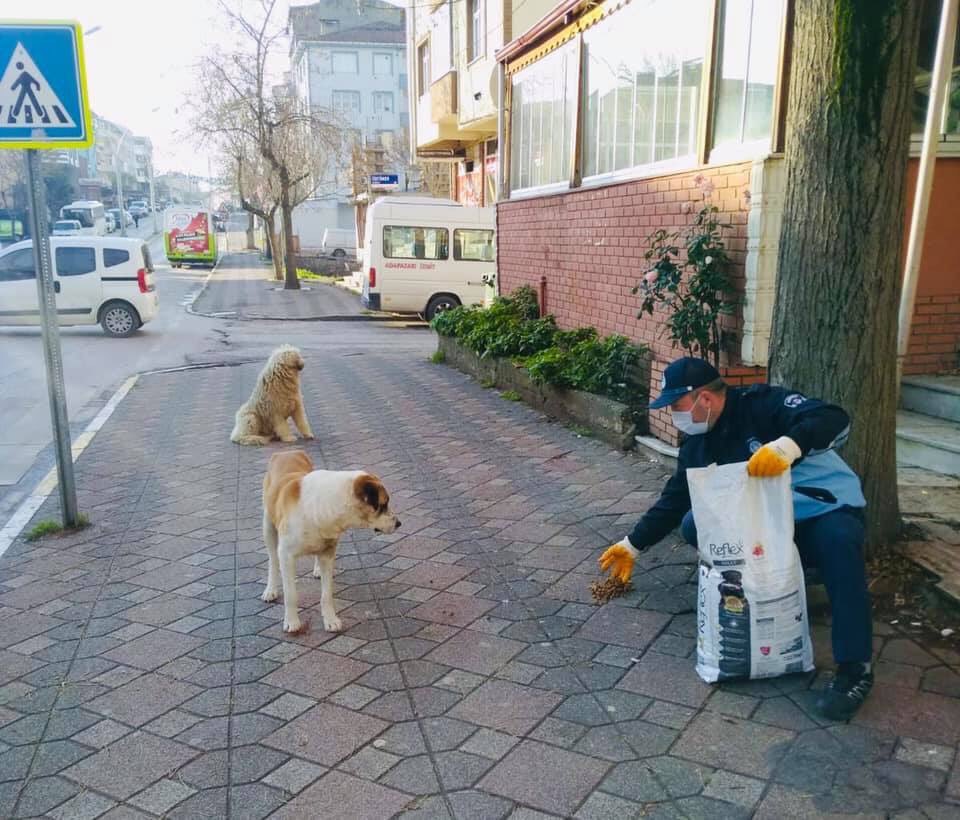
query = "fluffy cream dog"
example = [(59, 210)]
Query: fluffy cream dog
[(276, 397), (305, 511)]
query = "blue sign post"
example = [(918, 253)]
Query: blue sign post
[(44, 105)]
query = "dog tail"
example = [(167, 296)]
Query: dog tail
[(250, 440)]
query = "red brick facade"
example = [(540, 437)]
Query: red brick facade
[(934, 335), (589, 244)]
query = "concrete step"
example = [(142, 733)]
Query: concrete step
[(937, 396), (928, 442)]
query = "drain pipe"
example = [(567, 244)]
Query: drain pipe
[(942, 64)]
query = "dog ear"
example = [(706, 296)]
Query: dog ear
[(370, 491)]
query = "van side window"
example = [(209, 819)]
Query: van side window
[(473, 245), (406, 242), (75, 261), (114, 256), (17, 266)]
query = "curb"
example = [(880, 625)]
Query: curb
[(192, 298)]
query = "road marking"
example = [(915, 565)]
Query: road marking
[(192, 297), (48, 484)]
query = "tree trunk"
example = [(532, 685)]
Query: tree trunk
[(275, 256), (838, 281), (291, 282), (251, 236)]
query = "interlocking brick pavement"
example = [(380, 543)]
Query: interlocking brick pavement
[(141, 675)]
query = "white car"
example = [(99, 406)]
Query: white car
[(66, 227), (97, 279)]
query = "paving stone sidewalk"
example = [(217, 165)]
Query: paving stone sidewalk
[(242, 286), (141, 675)]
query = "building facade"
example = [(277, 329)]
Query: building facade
[(614, 131), (348, 63), (455, 92)]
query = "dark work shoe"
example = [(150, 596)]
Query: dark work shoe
[(846, 692)]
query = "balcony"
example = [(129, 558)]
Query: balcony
[(443, 99)]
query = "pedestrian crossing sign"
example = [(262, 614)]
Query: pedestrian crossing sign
[(43, 86)]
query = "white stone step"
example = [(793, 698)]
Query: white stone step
[(932, 395), (928, 442)]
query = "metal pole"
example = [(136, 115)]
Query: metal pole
[(118, 172), (153, 202), (928, 156), (51, 339)]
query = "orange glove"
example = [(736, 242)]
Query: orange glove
[(774, 458), (619, 559)]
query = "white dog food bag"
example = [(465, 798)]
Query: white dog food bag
[(751, 601)]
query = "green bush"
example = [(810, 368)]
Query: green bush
[(512, 328), (594, 365)]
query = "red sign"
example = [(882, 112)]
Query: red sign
[(192, 237)]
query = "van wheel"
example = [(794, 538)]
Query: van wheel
[(119, 320), (438, 304), (339, 253)]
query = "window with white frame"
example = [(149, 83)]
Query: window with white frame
[(345, 62), (423, 67), (382, 102), (475, 32), (346, 102), (642, 90), (748, 59), (542, 120), (949, 121), (382, 64)]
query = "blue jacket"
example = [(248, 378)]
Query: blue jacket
[(751, 417)]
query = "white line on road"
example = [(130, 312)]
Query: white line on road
[(32, 502)]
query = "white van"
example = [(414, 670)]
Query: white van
[(89, 213), (105, 280), (423, 255), (339, 242)]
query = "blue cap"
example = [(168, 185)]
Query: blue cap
[(682, 377)]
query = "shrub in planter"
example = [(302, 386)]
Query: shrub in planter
[(591, 364)]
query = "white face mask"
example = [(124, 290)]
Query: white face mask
[(683, 421)]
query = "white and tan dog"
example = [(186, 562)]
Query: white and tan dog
[(276, 397), (305, 511)]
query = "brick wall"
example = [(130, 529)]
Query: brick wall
[(590, 244), (934, 336)]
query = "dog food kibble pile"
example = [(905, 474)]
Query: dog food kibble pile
[(603, 591)]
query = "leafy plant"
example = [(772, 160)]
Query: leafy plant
[(50, 527), (438, 357), (691, 282), (594, 365), (510, 395), (303, 273)]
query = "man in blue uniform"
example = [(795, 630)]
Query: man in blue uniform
[(773, 429)]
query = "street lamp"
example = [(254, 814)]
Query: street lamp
[(119, 178)]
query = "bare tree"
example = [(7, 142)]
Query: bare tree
[(244, 110)]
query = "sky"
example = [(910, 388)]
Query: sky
[(140, 64)]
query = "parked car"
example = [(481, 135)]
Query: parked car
[(97, 279), (111, 222), (116, 217), (139, 210), (66, 227), (339, 242)]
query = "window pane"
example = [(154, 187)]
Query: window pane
[(542, 110), (114, 256), (930, 23), (642, 90), (749, 55), (762, 77), (17, 266), (473, 245), (404, 242), (75, 261), (345, 62)]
